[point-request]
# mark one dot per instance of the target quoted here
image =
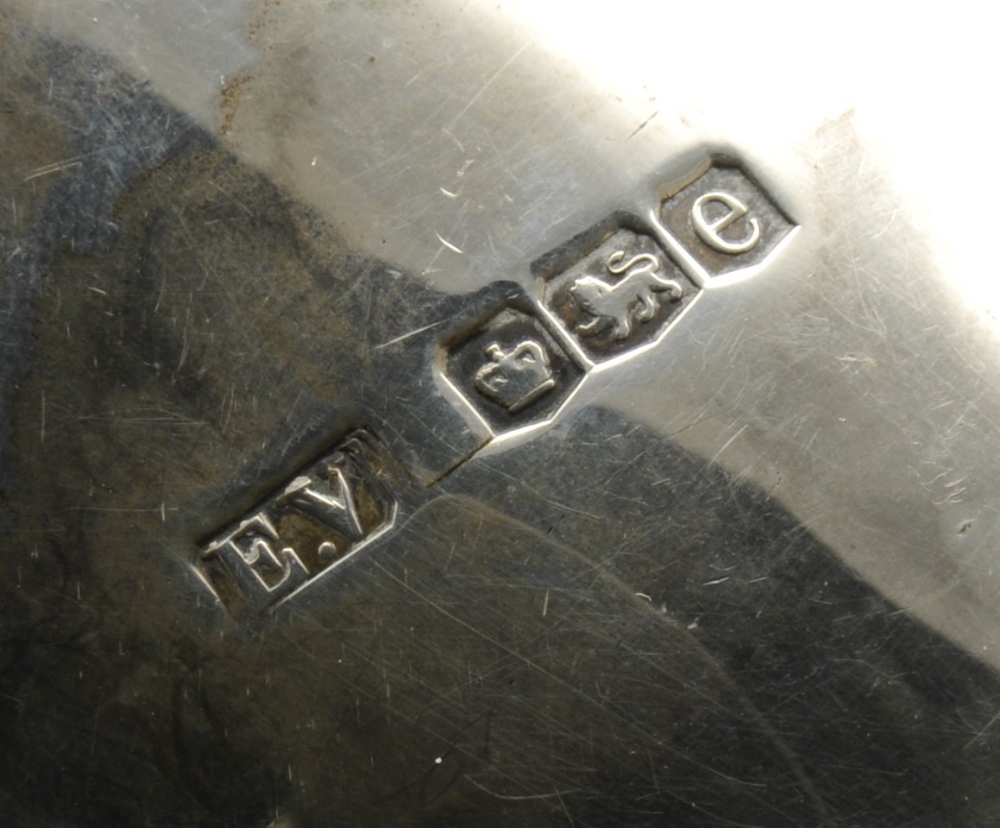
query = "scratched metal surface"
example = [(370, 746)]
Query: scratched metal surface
[(436, 414)]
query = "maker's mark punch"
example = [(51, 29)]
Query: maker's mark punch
[(320, 518)]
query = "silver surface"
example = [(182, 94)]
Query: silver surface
[(442, 165)]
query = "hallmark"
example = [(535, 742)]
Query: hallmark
[(710, 232), (725, 221), (620, 291), (509, 367), (317, 520), (513, 362), (619, 304), (517, 377)]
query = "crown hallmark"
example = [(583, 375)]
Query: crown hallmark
[(515, 378)]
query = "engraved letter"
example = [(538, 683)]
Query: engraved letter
[(334, 507), (709, 231), (246, 562)]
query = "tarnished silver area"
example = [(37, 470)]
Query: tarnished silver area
[(496, 414)]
